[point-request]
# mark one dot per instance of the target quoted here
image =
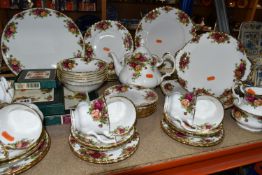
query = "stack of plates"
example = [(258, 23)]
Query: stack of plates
[(202, 126), (23, 140), (144, 99), (107, 136), (81, 75)]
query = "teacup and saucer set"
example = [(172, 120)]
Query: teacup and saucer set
[(103, 130), (247, 110), (23, 140), (193, 119)]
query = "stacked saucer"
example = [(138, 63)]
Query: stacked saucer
[(144, 99), (81, 75), (103, 130), (193, 120), (23, 140)]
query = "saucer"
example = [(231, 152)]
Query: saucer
[(190, 139), (104, 157), (27, 162), (94, 144)]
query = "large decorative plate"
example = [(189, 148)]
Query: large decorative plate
[(210, 63), (139, 96), (104, 157), (164, 29), (108, 36), (39, 38), (26, 163), (190, 139)]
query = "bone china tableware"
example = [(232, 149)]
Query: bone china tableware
[(39, 38), (210, 63), (6, 91), (164, 29), (108, 36), (201, 113), (249, 99), (144, 99), (109, 117), (105, 157), (20, 129), (141, 68)]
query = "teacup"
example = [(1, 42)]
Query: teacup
[(20, 128), (6, 91), (102, 118), (248, 98), (202, 112)]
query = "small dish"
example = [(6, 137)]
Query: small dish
[(190, 139), (105, 157)]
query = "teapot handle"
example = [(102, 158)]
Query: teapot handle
[(168, 56), (235, 94)]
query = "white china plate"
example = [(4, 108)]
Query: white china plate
[(25, 163), (95, 144), (107, 36), (206, 115), (20, 126), (39, 38), (139, 96), (249, 122), (210, 63), (190, 139), (104, 157), (164, 29)]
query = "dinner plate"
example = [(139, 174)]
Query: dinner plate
[(210, 64), (139, 96), (105, 157), (164, 29), (107, 36), (25, 163), (39, 38)]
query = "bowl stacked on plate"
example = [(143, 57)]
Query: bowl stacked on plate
[(193, 120), (103, 130), (23, 140), (80, 74), (144, 99)]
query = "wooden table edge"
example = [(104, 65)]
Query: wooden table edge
[(202, 163)]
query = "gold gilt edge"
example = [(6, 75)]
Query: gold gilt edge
[(102, 148), (31, 164), (106, 162), (220, 127), (188, 143)]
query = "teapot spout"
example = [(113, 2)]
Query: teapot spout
[(117, 64)]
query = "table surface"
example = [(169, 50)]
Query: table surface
[(155, 147)]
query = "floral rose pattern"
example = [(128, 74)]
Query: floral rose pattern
[(89, 53), (138, 40), (150, 96), (93, 154), (103, 25), (21, 144), (137, 62), (167, 8), (152, 15), (88, 33), (101, 65), (121, 88), (168, 87), (120, 26), (15, 64), (59, 14), (72, 27), (128, 41), (240, 69), (5, 49), (187, 101), (241, 48), (219, 37), (253, 100), (41, 13), (128, 150), (99, 112), (183, 17), (239, 115), (10, 31), (195, 39), (203, 91), (68, 64), (183, 62), (20, 15), (121, 130), (182, 82)]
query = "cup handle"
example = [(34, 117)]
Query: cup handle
[(168, 56)]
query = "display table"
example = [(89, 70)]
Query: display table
[(156, 152)]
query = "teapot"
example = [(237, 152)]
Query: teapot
[(248, 98), (104, 119), (141, 68)]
